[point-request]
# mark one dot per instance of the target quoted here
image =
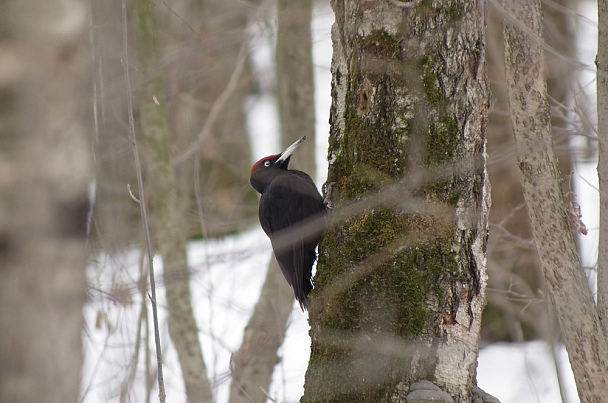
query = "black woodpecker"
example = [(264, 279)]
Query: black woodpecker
[(289, 198)]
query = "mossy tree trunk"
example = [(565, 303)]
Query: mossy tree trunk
[(254, 362), (170, 231), (45, 165), (400, 282)]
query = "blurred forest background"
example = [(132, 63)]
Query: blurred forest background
[(213, 86), (223, 64)]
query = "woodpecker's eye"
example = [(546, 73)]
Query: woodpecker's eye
[(266, 163)]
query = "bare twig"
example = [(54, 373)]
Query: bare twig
[(142, 204), (272, 399), (135, 199), (179, 17), (218, 105), (138, 336), (505, 233)]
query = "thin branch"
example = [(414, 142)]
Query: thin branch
[(506, 234), (179, 17), (218, 105), (135, 199), (272, 399), (142, 204), (96, 367), (138, 336)]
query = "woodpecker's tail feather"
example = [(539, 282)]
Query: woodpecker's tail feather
[(296, 265)]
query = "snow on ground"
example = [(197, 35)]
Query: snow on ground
[(226, 279), (525, 372)]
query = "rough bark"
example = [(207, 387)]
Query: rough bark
[(566, 281), (169, 227), (602, 163), (253, 364), (46, 168), (400, 284)]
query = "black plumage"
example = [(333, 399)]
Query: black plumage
[(289, 200)]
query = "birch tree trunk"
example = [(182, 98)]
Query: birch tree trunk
[(169, 227), (400, 284), (254, 363), (45, 166), (566, 281)]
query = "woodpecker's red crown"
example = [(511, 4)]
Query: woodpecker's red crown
[(269, 158)]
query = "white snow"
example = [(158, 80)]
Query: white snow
[(226, 279)]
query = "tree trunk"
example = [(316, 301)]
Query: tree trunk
[(566, 281), (169, 227), (46, 169), (254, 363), (400, 284), (513, 265)]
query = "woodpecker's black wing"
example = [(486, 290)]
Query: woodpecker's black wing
[(290, 199)]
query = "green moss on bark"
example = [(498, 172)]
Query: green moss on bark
[(381, 44), (391, 275), (443, 141), (392, 257)]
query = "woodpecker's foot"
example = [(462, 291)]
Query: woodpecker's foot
[(327, 191)]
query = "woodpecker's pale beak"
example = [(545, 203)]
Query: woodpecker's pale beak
[(284, 157)]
